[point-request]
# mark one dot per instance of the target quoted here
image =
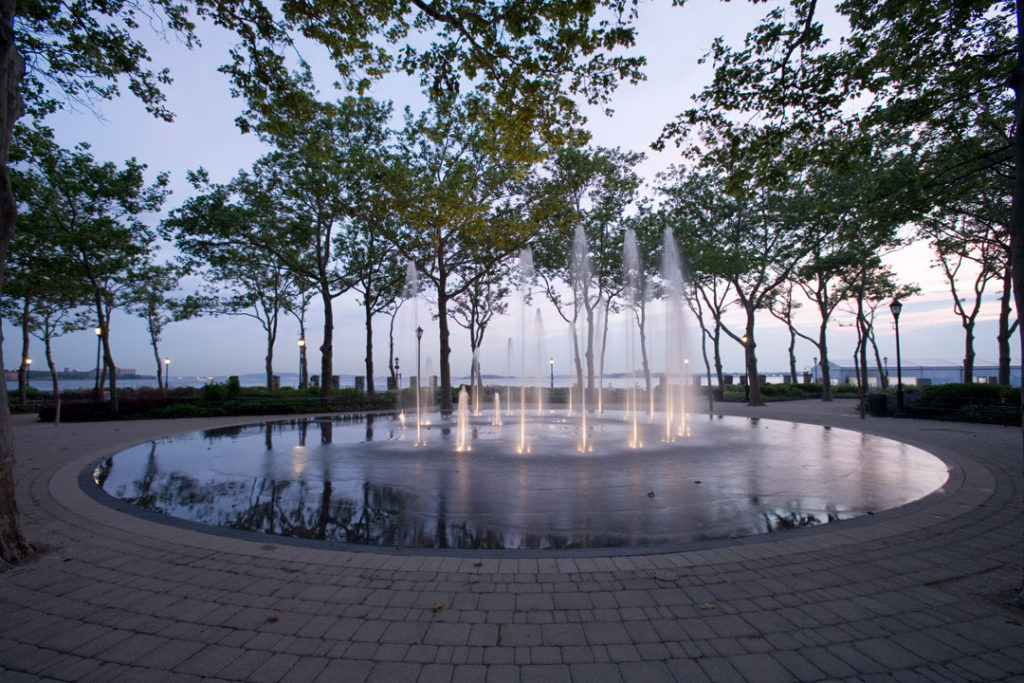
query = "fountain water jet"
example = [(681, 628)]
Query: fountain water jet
[(632, 277), (580, 270), (462, 442), (675, 342), (496, 419)]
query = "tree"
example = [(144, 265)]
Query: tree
[(580, 196), (460, 206), (782, 309), (373, 263), (231, 235), (151, 300), (94, 212), (960, 245), (319, 172), (473, 309)]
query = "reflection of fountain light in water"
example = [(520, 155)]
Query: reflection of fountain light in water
[(496, 420), (462, 422)]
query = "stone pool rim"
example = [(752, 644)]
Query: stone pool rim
[(955, 480)]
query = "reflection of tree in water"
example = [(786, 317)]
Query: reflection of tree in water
[(313, 510), (787, 520)]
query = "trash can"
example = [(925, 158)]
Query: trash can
[(878, 405)]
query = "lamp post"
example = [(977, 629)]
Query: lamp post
[(551, 362), (167, 370), (99, 339), (896, 307), (302, 362)]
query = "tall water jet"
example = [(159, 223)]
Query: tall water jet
[(675, 341), (508, 377), (600, 321), (579, 267), (632, 277), (538, 360), (496, 420), (411, 292), (462, 442), (526, 276), (476, 381)]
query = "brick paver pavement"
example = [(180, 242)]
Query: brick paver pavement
[(914, 594)]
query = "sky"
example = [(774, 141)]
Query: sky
[(204, 135)]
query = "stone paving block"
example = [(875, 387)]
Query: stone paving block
[(407, 632), (390, 672), (436, 673), (595, 673), (974, 668), (623, 652), (344, 671), (246, 665), (719, 669), (799, 666), (606, 633), (563, 634), (545, 655), (469, 673), (545, 673), (762, 668), (512, 635), (484, 635), (210, 660), (829, 662), (890, 654), (534, 601), (447, 634)]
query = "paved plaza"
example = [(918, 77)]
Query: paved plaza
[(913, 594)]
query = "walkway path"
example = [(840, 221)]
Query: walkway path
[(916, 594)]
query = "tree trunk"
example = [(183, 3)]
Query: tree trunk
[(13, 545), (861, 356), (826, 373), (750, 352), (445, 362), (369, 344), (159, 370), (792, 355), (969, 352), (24, 367), (54, 380), (716, 352), (327, 347), (641, 319), (1005, 329)]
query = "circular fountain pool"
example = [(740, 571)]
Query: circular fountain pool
[(368, 481)]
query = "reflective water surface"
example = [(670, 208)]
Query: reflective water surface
[(362, 480)]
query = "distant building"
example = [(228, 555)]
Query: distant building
[(922, 372)]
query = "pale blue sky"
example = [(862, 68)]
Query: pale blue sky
[(204, 134)]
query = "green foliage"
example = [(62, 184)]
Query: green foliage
[(990, 403), (212, 400)]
